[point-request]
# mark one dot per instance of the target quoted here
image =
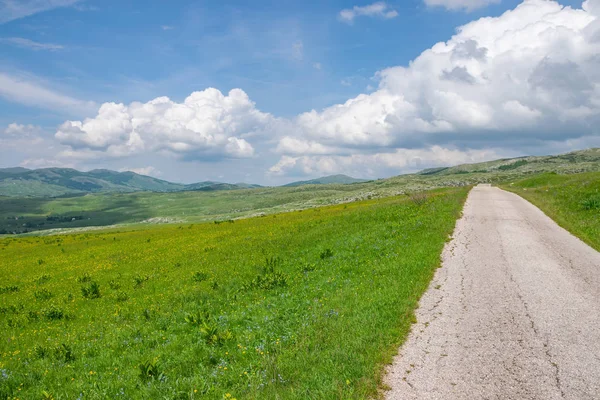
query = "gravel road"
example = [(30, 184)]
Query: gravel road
[(514, 312)]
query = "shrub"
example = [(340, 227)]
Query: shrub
[(140, 279), (150, 370), (9, 289), (198, 318), (593, 203), (53, 313), (40, 280), (327, 253), (84, 278), (418, 198), (91, 291), (214, 336), (270, 278), (114, 285), (199, 276), (122, 296), (42, 294), (65, 353), (40, 351)]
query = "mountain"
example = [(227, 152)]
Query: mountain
[(576, 161), (339, 179), (66, 181), (208, 186)]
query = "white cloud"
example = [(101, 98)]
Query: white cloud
[(454, 5), (29, 91), (207, 125), (30, 44), (532, 73), (291, 145), (370, 165), (166, 27), (35, 163), (11, 10), (148, 171), (22, 131), (378, 9), (317, 66)]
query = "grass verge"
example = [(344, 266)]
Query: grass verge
[(573, 201), (308, 304)]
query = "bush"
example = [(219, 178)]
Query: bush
[(122, 296), (9, 289), (150, 370), (327, 253), (91, 291), (84, 278), (270, 278), (139, 280), (593, 203), (40, 280), (42, 294), (53, 313), (199, 276)]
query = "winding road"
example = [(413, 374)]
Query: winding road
[(514, 312)]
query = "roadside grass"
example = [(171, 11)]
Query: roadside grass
[(573, 201), (305, 304)]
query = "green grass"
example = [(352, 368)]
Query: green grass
[(573, 201), (30, 214), (305, 304)]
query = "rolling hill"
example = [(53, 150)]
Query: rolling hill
[(52, 182), (326, 180)]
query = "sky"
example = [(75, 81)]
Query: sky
[(270, 92)]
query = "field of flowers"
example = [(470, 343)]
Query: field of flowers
[(299, 305)]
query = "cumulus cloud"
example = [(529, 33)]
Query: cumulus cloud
[(379, 9), (206, 125), (532, 73), (369, 165), (454, 5), (22, 131)]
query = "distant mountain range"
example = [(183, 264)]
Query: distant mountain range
[(339, 179), (66, 181), (52, 182)]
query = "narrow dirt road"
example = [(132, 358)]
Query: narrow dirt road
[(514, 312)]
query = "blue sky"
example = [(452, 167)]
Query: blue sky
[(60, 60)]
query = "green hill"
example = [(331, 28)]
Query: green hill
[(326, 180), (577, 161), (52, 182)]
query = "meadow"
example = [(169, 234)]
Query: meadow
[(20, 215), (297, 305), (573, 201)]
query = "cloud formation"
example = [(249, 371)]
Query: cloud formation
[(207, 125), (466, 5), (527, 79), (532, 73), (29, 91), (379, 9), (11, 10), (30, 44), (22, 131), (370, 165)]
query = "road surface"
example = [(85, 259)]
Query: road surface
[(514, 312)]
